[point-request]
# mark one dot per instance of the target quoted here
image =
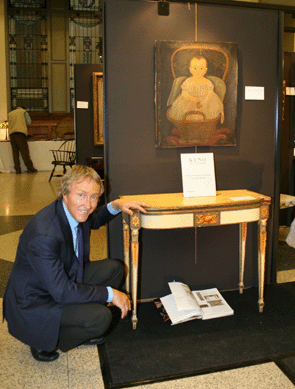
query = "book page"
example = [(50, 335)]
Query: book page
[(183, 296), (174, 314), (212, 303)]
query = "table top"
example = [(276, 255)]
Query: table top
[(176, 201), (43, 123)]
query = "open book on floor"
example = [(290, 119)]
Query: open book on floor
[(183, 304)]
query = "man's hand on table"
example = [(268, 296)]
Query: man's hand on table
[(129, 206)]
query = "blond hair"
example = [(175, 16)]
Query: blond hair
[(78, 172)]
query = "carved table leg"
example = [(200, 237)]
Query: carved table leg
[(243, 237), (134, 257), (126, 240), (261, 261)]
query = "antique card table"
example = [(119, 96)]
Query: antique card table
[(172, 210)]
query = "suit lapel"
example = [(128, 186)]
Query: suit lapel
[(65, 226), (86, 240)]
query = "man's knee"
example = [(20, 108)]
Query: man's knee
[(118, 266), (101, 318), (117, 271), (108, 272)]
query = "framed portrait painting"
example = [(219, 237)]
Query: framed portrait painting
[(195, 93), (98, 129)]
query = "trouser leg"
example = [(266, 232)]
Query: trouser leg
[(24, 150), (15, 151), (20, 140), (107, 272), (82, 322)]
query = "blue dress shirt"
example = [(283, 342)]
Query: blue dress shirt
[(74, 224)]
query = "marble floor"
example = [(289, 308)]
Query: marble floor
[(22, 196)]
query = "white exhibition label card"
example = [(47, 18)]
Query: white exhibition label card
[(254, 93), (198, 174)]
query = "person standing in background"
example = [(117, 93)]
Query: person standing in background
[(18, 120)]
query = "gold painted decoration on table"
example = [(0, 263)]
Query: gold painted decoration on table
[(135, 222), (207, 219), (264, 211), (134, 247)]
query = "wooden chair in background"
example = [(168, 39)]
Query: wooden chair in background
[(64, 156)]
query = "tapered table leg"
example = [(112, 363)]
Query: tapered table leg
[(261, 262), (135, 224), (243, 238), (126, 242), (134, 258)]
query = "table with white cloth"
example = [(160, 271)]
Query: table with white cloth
[(40, 153)]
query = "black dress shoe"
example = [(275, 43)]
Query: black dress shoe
[(32, 171), (94, 341), (44, 356)]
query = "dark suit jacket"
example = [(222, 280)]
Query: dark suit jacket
[(43, 276)]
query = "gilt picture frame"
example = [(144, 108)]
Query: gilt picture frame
[(195, 109), (98, 122)]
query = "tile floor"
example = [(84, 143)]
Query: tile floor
[(23, 195)]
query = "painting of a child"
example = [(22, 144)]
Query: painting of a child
[(196, 94), (197, 99)]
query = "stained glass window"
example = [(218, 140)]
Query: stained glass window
[(85, 5), (28, 61), (85, 44), (27, 3), (28, 43)]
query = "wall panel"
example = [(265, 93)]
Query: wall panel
[(59, 87), (58, 37), (135, 166)]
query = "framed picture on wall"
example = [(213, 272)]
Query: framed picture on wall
[(196, 93), (97, 78)]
